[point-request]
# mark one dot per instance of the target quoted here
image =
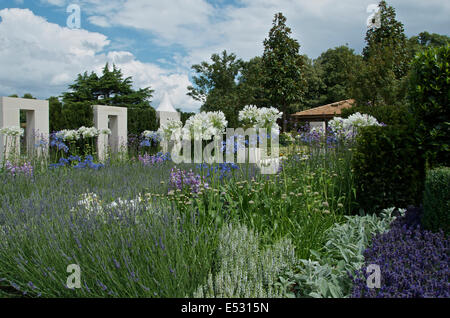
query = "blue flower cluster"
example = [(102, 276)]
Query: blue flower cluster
[(246, 142), (222, 170), (78, 163), (58, 142), (414, 263), (159, 158), (314, 137), (150, 140)]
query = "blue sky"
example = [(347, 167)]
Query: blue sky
[(157, 41)]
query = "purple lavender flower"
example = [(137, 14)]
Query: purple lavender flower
[(414, 263), (14, 169), (180, 179), (148, 160)]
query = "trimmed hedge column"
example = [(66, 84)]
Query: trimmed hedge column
[(388, 168), (436, 201)]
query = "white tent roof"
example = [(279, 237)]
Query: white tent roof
[(166, 105)]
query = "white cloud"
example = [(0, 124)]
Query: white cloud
[(43, 58), (55, 2), (202, 28), (199, 27)]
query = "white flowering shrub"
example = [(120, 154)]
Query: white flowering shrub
[(171, 130), (92, 206), (249, 115), (206, 125), (105, 131), (246, 271), (82, 132), (348, 128), (12, 131), (88, 132), (260, 117)]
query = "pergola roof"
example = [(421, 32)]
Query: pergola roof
[(325, 112)]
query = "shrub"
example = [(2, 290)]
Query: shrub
[(342, 253), (244, 270), (436, 200), (77, 114), (388, 168), (141, 119), (413, 263), (429, 93)]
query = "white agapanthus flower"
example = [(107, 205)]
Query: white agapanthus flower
[(170, 130), (268, 117), (105, 131), (260, 117), (362, 120), (205, 126), (249, 115), (336, 124), (70, 135), (218, 121), (88, 132), (12, 131), (199, 126), (348, 127)]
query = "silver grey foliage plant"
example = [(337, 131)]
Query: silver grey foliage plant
[(328, 275), (244, 269)]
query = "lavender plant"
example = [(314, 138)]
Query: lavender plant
[(181, 180), (13, 169), (137, 248), (414, 262)]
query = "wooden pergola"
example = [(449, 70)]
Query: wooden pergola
[(323, 113)]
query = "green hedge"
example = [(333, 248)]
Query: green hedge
[(141, 119), (436, 201), (388, 169), (429, 95)]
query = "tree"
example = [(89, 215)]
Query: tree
[(425, 40), (111, 88), (376, 83), (251, 84), (315, 87), (221, 75), (216, 85), (28, 96), (389, 36), (382, 77), (284, 67), (337, 68)]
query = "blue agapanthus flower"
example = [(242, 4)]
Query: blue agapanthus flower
[(222, 170), (78, 163)]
